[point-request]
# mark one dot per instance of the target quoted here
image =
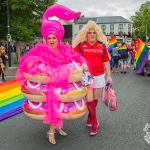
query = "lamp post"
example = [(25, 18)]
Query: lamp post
[(8, 35)]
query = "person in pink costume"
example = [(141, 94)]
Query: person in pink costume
[(49, 58)]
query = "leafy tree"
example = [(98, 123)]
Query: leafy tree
[(3, 19), (141, 21), (25, 19)]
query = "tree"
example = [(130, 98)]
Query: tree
[(141, 21), (25, 19), (3, 19)]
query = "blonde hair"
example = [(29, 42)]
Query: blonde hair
[(81, 37)]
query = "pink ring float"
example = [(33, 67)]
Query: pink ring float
[(72, 104), (70, 111)]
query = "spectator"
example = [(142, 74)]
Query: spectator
[(4, 57), (30, 45), (130, 50), (26, 49), (14, 47), (115, 56), (123, 57)]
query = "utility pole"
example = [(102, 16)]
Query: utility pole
[(8, 35)]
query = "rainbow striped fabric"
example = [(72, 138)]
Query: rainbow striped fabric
[(134, 65), (122, 50), (141, 55), (111, 61), (11, 99), (112, 41)]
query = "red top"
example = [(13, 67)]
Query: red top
[(96, 55)]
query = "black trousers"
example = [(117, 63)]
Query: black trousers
[(2, 73), (115, 58)]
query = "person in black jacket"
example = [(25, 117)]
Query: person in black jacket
[(4, 57)]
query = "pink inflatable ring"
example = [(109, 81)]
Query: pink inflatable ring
[(69, 111)]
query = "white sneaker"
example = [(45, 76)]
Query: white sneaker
[(128, 66)]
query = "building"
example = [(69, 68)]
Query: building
[(110, 25), (68, 27)]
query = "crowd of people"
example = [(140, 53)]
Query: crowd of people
[(90, 47), (122, 55)]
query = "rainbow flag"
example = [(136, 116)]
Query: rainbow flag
[(141, 55), (112, 41), (11, 99), (111, 61), (134, 65), (122, 50)]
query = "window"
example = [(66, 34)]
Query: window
[(112, 28), (120, 27), (103, 27), (80, 27), (129, 31), (129, 27)]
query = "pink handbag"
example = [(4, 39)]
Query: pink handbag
[(108, 97)]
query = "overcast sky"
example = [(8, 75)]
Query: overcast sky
[(98, 8)]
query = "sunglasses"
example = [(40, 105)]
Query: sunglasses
[(91, 32)]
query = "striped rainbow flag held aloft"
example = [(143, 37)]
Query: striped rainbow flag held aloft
[(123, 50), (112, 41), (141, 55), (11, 99)]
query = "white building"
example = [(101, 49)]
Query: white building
[(110, 25)]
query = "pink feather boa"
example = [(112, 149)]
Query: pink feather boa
[(53, 61)]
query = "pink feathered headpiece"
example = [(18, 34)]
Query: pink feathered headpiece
[(53, 26)]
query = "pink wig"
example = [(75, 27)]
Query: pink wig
[(53, 26)]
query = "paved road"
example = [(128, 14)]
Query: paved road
[(120, 130)]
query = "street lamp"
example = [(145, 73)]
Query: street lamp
[(8, 35)]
